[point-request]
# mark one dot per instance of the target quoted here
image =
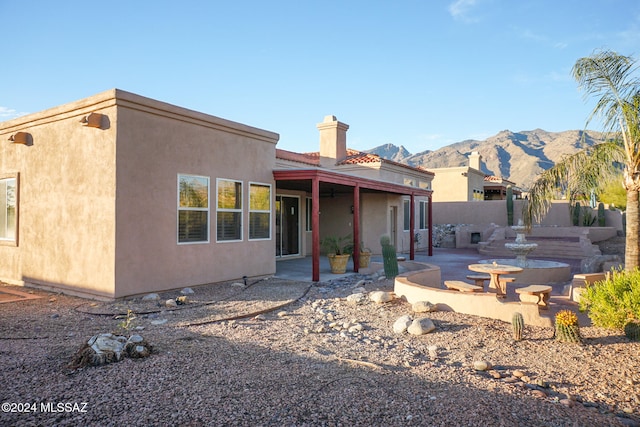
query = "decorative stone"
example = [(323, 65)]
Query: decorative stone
[(151, 297), (356, 299), (360, 284), (187, 291), (171, 303), (539, 393), (433, 351), (518, 374), (400, 326), (282, 314), (359, 290), (421, 326), (260, 317), (159, 322), (238, 285), (355, 328), (481, 365), (380, 297), (423, 307)]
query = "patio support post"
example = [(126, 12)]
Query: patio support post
[(412, 227), (430, 226), (356, 228), (315, 228)]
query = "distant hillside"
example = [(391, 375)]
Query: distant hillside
[(518, 157)]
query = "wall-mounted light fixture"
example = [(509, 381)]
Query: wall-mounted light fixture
[(20, 138), (93, 120)]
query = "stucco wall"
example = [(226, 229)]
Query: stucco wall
[(66, 199), (156, 142), (98, 206), (495, 212)]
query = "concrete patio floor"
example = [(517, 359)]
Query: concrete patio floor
[(453, 265)]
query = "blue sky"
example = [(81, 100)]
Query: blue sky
[(417, 73)]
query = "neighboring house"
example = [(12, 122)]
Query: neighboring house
[(469, 183), (459, 184), (117, 195), (495, 188)]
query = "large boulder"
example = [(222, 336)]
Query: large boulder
[(595, 264)]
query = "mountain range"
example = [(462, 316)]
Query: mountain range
[(516, 156)]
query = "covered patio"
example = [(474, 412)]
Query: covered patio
[(317, 182)]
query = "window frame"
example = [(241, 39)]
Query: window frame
[(13, 241), (234, 210), (406, 215), (269, 211), (423, 223), (194, 209)]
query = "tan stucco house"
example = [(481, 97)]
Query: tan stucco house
[(469, 183), (118, 194)]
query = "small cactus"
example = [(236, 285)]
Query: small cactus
[(518, 326), (632, 330), (389, 257), (576, 214), (601, 218), (567, 328), (509, 197)]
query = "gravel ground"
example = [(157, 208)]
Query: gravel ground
[(317, 360)]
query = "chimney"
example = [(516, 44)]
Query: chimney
[(474, 160), (333, 141)]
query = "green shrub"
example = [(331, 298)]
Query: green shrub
[(611, 303)]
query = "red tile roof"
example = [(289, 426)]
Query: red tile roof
[(492, 178), (354, 157), (307, 158)]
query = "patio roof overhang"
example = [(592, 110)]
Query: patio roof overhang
[(311, 180)]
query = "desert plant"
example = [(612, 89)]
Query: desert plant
[(575, 213), (127, 320), (567, 328), (509, 205), (601, 219), (389, 257), (613, 302), (632, 330), (517, 321), (588, 219), (337, 245)]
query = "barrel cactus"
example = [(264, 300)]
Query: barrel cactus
[(632, 330), (389, 257), (567, 328), (517, 322)]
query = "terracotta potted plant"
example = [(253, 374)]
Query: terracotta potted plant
[(337, 250), (364, 257)]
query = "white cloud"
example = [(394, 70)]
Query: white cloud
[(9, 113), (460, 10)]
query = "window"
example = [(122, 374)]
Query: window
[(309, 215), (407, 214), (229, 212), (423, 215), (8, 208), (259, 211), (193, 209)]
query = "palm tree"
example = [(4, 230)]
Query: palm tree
[(612, 78)]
